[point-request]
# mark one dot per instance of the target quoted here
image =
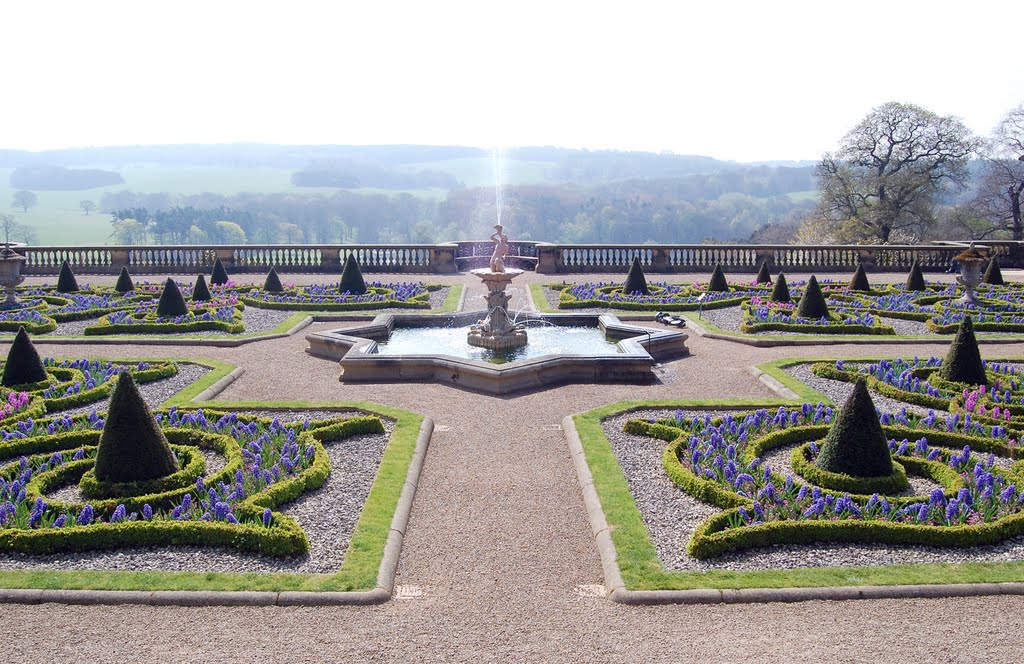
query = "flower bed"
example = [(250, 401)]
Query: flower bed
[(269, 463), (663, 296), (318, 297), (219, 315), (719, 461), (762, 315)]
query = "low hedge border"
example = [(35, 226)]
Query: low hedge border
[(418, 302), (192, 465), (48, 325), (799, 328), (932, 326), (567, 301), (103, 327), (803, 465), (825, 370), (158, 372)]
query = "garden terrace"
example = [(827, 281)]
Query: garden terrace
[(500, 540)]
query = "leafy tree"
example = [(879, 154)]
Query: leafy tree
[(24, 199), (228, 232), (87, 206), (890, 169)]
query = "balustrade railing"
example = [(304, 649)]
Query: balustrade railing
[(545, 257)]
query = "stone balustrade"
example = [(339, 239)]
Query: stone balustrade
[(544, 257)]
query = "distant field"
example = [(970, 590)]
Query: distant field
[(479, 172), (800, 196), (57, 218)]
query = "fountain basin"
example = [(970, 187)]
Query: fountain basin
[(629, 359)]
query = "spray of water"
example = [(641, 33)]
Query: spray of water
[(498, 161)]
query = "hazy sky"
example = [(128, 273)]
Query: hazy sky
[(733, 80)]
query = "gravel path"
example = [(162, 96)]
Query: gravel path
[(499, 541)]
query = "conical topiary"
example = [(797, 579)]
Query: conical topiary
[(915, 280), (636, 282), (963, 360), (132, 447), (201, 292), (124, 281), (763, 275), (220, 275), (66, 282), (352, 277), (171, 302), (23, 365), (812, 303), (780, 292), (859, 282), (717, 283), (993, 275), (855, 444), (272, 284)]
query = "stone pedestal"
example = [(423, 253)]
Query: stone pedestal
[(11, 276), (497, 331)]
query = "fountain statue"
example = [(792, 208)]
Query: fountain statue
[(497, 331), (970, 261)]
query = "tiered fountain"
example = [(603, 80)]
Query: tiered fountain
[(497, 331)]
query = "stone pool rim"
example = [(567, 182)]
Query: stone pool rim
[(639, 349)]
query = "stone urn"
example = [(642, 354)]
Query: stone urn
[(971, 262), (11, 263)]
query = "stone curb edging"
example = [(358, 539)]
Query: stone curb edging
[(380, 594), (617, 591), (219, 386), (773, 384)]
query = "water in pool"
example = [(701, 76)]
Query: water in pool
[(543, 340)]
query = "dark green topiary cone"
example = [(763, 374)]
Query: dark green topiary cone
[(23, 365), (859, 282), (636, 282), (915, 280), (780, 293), (856, 444), (220, 275), (132, 447), (272, 284), (993, 275), (718, 283), (812, 303), (124, 281), (963, 360), (352, 277), (763, 275), (201, 292), (171, 302), (66, 282)]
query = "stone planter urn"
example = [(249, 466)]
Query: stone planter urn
[(971, 262), (11, 263)]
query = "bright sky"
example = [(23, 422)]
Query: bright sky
[(729, 79)]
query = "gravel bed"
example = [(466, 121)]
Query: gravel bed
[(839, 390), (671, 515), (327, 515)]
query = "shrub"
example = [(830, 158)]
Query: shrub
[(132, 446), (272, 284), (993, 275), (718, 283), (812, 303), (635, 280), (915, 280), (23, 365), (855, 444), (66, 282), (201, 292), (124, 281), (963, 361), (220, 275), (763, 275), (352, 277), (859, 282), (171, 301), (780, 293)]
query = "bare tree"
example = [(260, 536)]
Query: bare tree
[(890, 168), (24, 199), (1001, 185)]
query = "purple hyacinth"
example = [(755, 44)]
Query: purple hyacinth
[(267, 515)]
